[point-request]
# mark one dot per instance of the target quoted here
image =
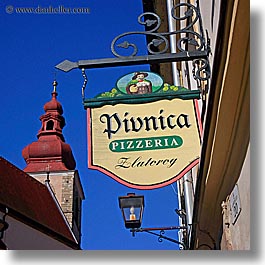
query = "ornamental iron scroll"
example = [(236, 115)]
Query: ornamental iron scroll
[(191, 45), (187, 38), (188, 41), (201, 73)]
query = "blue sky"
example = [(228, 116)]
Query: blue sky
[(31, 45)]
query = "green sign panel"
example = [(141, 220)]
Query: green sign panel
[(145, 144)]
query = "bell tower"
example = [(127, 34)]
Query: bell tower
[(51, 159)]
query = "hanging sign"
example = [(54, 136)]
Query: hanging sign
[(143, 133)]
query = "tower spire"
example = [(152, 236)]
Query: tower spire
[(50, 161), (50, 149), (55, 83)]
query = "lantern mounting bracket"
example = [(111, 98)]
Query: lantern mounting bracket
[(161, 233)]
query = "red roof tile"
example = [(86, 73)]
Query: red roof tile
[(31, 200)]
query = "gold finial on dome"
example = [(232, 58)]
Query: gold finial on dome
[(55, 83)]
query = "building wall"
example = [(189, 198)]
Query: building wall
[(236, 229), (226, 159), (228, 118), (19, 236), (69, 194), (62, 186)]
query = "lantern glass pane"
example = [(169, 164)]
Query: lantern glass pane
[(133, 201), (132, 213), (132, 210)]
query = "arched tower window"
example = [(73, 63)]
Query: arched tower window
[(49, 125)]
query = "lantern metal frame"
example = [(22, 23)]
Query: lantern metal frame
[(128, 202)]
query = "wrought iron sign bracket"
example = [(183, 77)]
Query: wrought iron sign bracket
[(190, 41), (67, 65)]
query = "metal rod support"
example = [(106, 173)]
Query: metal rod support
[(161, 234), (160, 228), (67, 65)]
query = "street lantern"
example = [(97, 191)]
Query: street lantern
[(132, 207)]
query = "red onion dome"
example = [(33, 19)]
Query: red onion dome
[(54, 104)]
